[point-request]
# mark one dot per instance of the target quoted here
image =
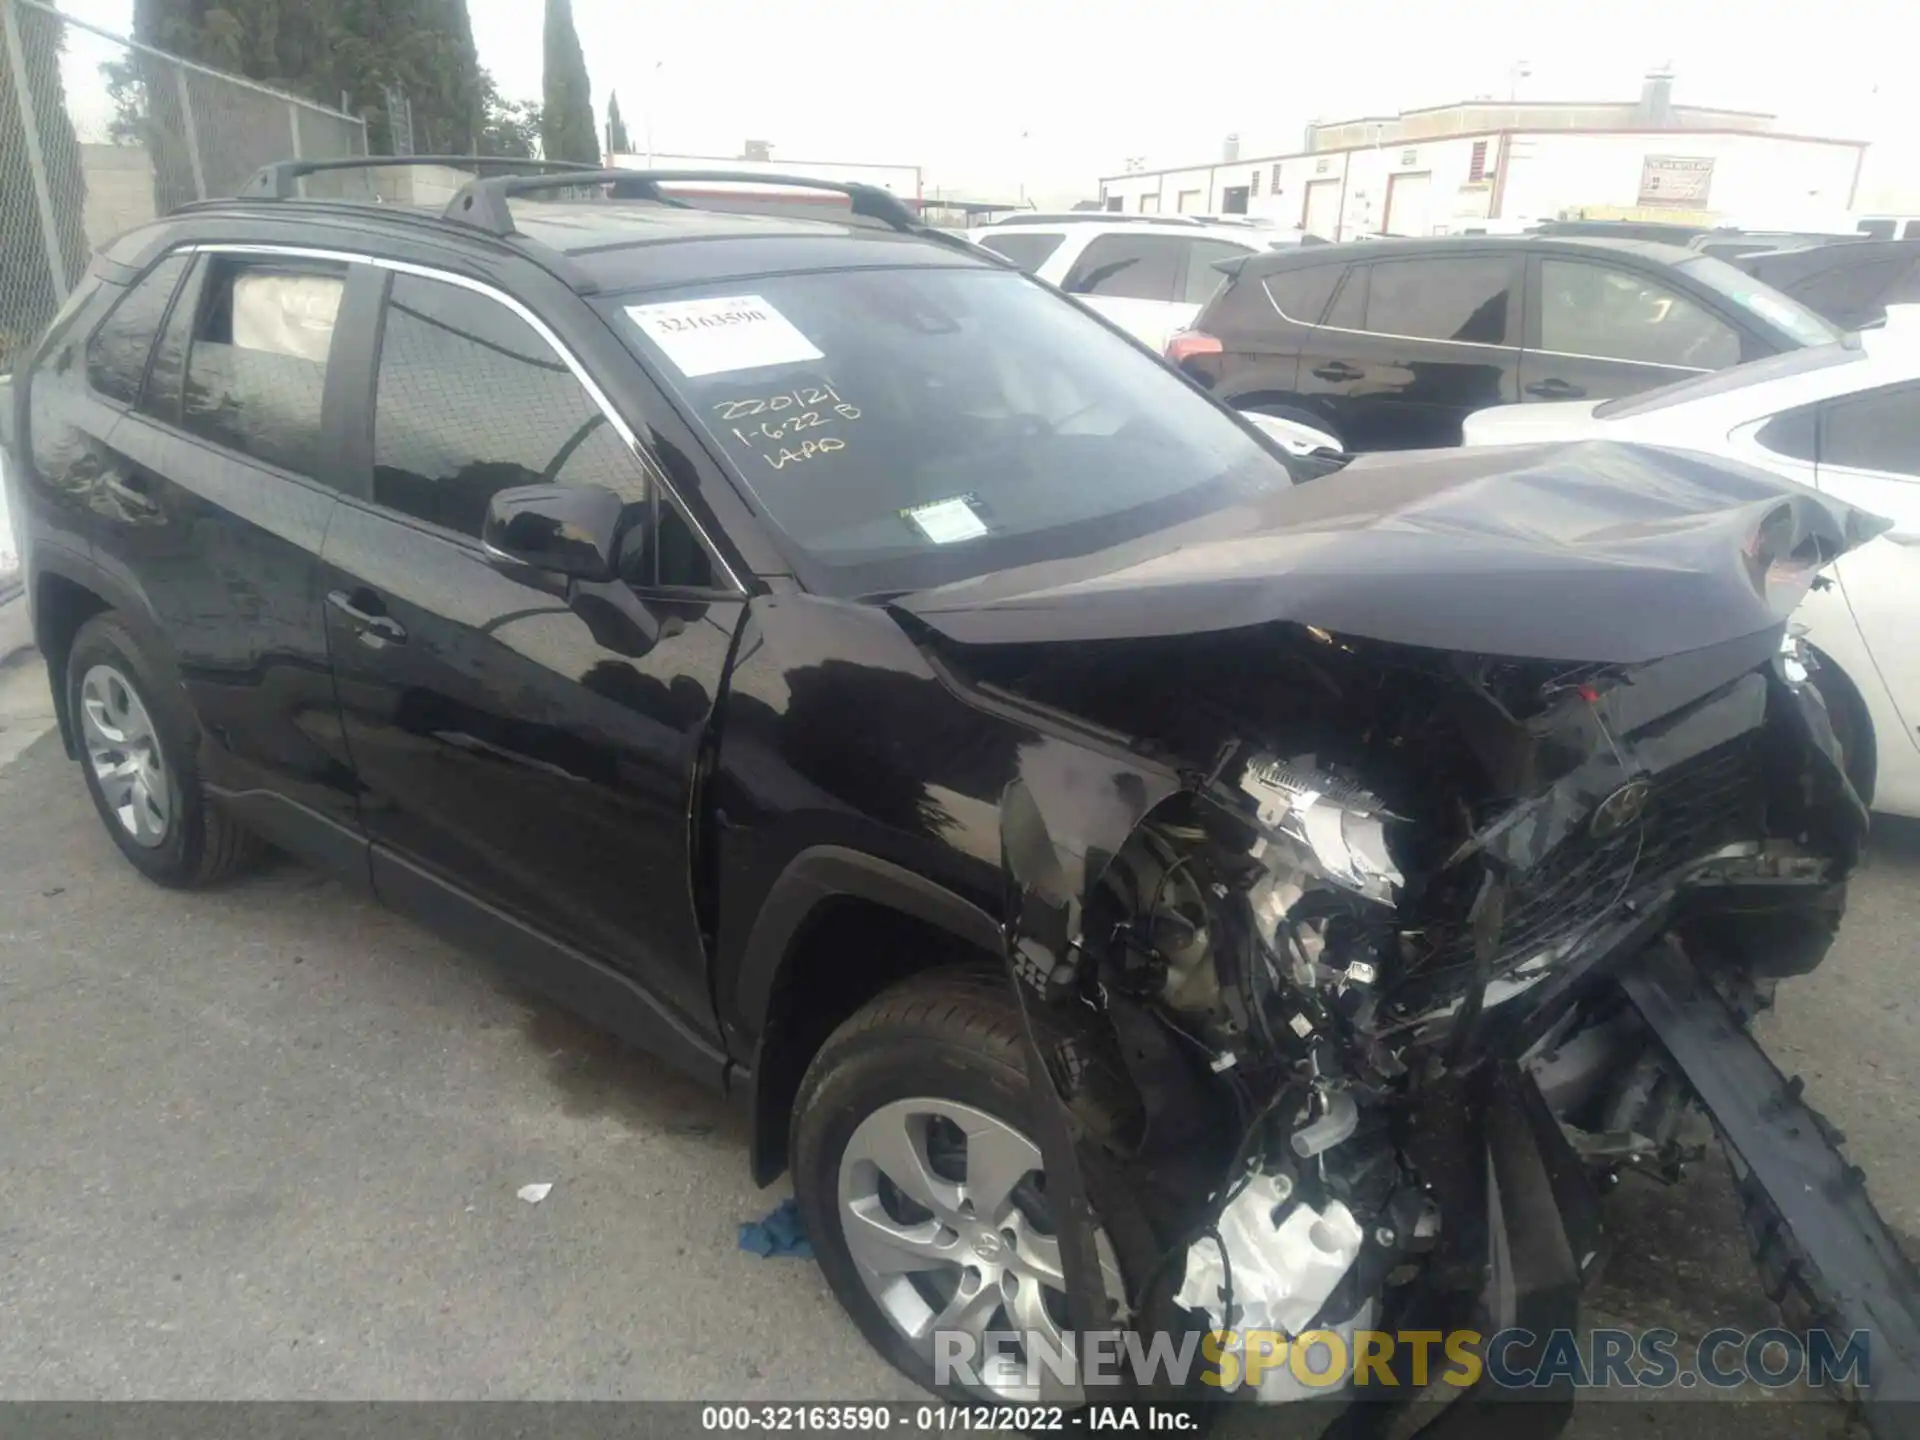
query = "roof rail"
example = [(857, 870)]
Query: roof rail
[(483, 202), (281, 181), (1091, 217)]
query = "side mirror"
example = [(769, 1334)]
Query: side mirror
[(572, 530), (1291, 435)]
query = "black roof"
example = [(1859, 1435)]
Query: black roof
[(1395, 247)]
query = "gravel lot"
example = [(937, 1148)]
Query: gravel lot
[(264, 1143)]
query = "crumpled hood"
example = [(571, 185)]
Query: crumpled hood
[(1594, 551)]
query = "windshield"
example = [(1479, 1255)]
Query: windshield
[(907, 428), (1769, 304)]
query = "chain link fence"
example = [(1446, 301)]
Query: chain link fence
[(99, 134)]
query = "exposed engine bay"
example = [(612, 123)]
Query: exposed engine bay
[(1367, 942)]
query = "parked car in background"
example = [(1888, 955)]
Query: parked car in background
[(1845, 419), (1149, 275), (1852, 284), (1890, 227), (1389, 345)]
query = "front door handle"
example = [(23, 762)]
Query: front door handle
[(1554, 388), (367, 614), (1338, 371)]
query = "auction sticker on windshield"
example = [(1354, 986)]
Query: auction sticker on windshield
[(734, 332), (945, 521)]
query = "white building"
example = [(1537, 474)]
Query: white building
[(1455, 167)]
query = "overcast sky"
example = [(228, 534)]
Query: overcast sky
[(1052, 94), (953, 88)]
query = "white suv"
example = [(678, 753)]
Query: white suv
[(1149, 275)]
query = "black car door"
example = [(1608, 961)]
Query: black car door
[(526, 754), (1410, 347), (1597, 330), (212, 507), (1261, 322)]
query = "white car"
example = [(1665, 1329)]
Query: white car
[(1149, 275), (1842, 418)]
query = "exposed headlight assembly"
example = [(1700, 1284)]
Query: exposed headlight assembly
[(1340, 825)]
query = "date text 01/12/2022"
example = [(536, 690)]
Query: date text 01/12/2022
[(941, 1418)]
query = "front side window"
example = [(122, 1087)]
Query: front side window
[(1129, 267), (1613, 314), (472, 400), (117, 354), (1878, 430), (909, 427), (1464, 299), (1027, 249), (257, 362)]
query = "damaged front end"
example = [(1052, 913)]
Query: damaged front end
[(1350, 910)]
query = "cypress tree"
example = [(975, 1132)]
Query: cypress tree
[(617, 140), (566, 113)]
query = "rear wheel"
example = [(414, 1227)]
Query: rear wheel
[(137, 755)]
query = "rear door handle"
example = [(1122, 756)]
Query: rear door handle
[(367, 614), (1554, 388), (1338, 370)]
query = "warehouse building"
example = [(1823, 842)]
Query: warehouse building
[(1482, 164)]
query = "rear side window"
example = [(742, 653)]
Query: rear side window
[(1879, 430), (1130, 267), (1614, 314), (1464, 299), (1202, 276), (1028, 249), (257, 362), (1301, 295), (1790, 434), (117, 354)]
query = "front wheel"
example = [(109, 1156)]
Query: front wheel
[(919, 1178)]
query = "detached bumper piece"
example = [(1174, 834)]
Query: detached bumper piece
[(1805, 1202)]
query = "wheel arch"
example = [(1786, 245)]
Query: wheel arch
[(67, 592), (837, 928), (1838, 687)]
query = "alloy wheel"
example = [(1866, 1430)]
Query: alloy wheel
[(945, 1215), (125, 755)]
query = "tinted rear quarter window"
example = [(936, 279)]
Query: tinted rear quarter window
[(1028, 249), (1464, 299), (1203, 276), (1130, 267), (117, 354), (1302, 294), (1879, 430)]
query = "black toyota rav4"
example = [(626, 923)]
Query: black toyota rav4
[(1129, 890)]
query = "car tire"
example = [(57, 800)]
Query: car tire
[(137, 753), (947, 1048), (1299, 415)]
